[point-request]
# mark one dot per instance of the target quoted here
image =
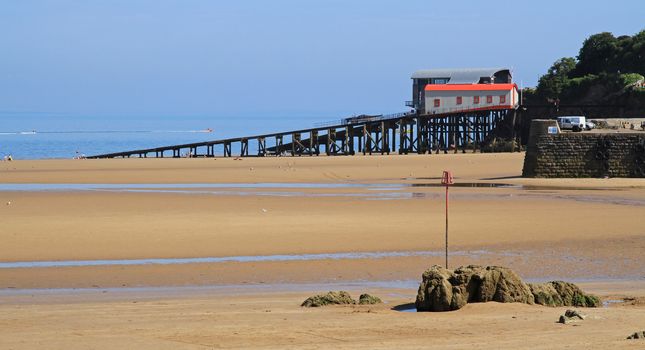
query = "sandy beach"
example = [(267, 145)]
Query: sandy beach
[(277, 230)]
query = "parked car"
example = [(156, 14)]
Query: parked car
[(572, 122)]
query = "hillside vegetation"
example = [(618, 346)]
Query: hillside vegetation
[(607, 70)]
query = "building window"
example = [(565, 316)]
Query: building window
[(489, 99), (437, 102), (502, 99), (476, 99), (459, 100)]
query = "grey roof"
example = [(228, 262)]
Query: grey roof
[(458, 75)]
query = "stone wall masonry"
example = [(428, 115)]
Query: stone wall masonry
[(571, 155)]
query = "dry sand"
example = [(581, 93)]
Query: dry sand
[(577, 229), (264, 319)]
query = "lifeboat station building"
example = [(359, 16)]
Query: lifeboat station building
[(440, 91)]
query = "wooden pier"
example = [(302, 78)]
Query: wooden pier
[(403, 133)]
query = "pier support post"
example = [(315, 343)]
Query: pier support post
[(296, 146), (278, 145), (385, 147), (419, 140), (244, 147), (349, 141), (314, 147), (402, 131), (262, 147), (393, 138), (367, 145)]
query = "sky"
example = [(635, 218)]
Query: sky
[(279, 58)]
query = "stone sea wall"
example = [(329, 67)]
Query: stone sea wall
[(583, 154)]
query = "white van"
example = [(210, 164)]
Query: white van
[(572, 122)]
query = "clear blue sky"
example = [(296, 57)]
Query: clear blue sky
[(274, 58)]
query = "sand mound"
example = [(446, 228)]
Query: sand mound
[(446, 290), (331, 298)]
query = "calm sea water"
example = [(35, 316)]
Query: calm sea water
[(38, 137)]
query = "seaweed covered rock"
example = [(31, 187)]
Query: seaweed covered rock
[(436, 292), (331, 298), (501, 284), (571, 316), (545, 294), (637, 335), (445, 290), (559, 293), (366, 299)]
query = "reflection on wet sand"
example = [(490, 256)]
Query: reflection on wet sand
[(369, 191)]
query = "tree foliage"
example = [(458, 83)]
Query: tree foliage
[(599, 53), (605, 63), (551, 84)]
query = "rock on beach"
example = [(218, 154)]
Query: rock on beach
[(331, 298), (446, 290)]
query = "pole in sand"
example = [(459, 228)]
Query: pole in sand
[(447, 180)]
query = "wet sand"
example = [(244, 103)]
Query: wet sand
[(587, 230)]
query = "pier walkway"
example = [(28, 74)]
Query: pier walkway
[(402, 132)]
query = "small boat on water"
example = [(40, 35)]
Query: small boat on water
[(207, 130), (33, 132)]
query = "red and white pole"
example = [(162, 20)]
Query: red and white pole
[(446, 226), (447, 180)]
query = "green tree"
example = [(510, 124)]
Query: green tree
[(632, 54), (599, 53), (551, 84)]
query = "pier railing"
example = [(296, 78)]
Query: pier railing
[(363, 119)]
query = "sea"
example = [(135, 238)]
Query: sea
[(65, 137)]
